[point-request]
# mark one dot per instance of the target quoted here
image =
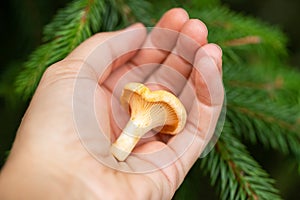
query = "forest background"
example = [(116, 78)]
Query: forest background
[(22, 25)]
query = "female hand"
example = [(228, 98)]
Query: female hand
[(61, 150)]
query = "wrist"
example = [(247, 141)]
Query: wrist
[(25, 179)]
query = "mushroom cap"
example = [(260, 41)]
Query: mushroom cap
[(163, 98)]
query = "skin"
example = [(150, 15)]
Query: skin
[(48, 160)]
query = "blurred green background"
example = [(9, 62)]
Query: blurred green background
[(21, 31)]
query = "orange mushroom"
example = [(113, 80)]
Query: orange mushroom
[(159, 110)]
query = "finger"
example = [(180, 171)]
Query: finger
[(163, 38), (204, 112), (213, 56), (103, 51), (175, 70), (158, 44), (214, 51), (189, 144), (206, 76)]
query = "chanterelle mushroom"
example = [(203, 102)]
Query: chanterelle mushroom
[(158, 110)]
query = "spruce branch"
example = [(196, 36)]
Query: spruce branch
[(259, 108), (273, 126), (262, 121), (243, 41), (72, 25), (28, 79), (240, 35), (236, 174)]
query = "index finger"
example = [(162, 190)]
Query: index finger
[(103, 50)]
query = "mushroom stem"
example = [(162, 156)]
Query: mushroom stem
[(129, 137)]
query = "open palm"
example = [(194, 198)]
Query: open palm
[(74, 115)]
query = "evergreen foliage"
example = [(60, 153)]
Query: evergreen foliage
[(263, 97), (241, 176), (72, 25)]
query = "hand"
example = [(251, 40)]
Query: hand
[(59, 151)]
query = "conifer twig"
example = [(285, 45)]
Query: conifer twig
[(236, 173), (243, 41)]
